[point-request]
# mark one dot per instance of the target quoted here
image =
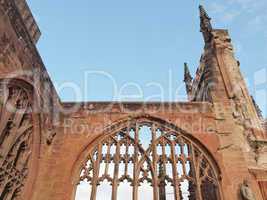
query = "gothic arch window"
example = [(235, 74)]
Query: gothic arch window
[(149, 160), (16, 128)]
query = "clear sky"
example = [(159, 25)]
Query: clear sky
[(142, 45)]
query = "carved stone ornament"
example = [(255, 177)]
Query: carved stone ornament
[(16, 129), (50, 136), (258, 146), (246, 192)]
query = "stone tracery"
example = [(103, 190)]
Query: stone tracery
[(149, 152), (16, 127)]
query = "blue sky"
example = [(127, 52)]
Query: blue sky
[(143, 44)]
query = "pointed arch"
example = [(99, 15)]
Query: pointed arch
[(173, 156), (19, 139)]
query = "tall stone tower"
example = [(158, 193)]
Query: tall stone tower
[(212, 147)]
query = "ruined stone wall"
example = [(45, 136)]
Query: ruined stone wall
[(221, 118), (22, 71), (220, 81)]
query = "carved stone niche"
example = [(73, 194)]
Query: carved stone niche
[(16, 131)]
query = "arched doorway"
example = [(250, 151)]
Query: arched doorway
[(148, 159)]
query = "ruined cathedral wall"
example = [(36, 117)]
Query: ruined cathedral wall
[(242, 138), (22, 73), (81, 131), (19, 58), (56, 137)]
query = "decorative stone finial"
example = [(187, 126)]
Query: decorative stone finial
[(205, 24), (187, 75), (187, 79)]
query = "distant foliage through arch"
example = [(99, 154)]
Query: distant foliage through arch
[(148, 160)]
